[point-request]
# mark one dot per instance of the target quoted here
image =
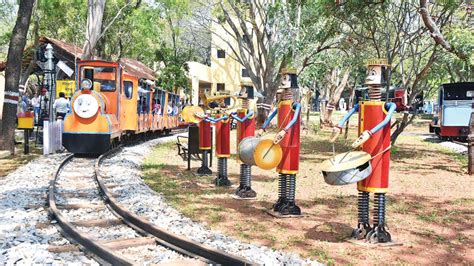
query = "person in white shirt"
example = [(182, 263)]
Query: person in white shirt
[(35, 102), (61, 105)]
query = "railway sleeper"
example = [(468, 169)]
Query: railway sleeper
[(115, 244)]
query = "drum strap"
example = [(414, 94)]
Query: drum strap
[(382, 152)]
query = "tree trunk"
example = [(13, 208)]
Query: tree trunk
[(349, 105), (12, 74), (333, 100), (95, 14)]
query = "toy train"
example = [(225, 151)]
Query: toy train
[(113, 104), (455, 101)]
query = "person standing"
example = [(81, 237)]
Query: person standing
[(61, 105), (35, 102)]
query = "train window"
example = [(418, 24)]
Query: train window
[(470, 93), (128, 89), (104, 76)]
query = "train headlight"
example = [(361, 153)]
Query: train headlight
[(86, 84), (86, 106)]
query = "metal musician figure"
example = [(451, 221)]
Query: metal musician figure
[(289, 113), (222, 125), (245, 118), (374, 138), (205, 136)]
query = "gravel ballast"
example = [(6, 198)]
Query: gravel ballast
[(26, 232), (124, 169)]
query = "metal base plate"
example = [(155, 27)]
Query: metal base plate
[(278, 215), (368, 244), (239, 198)]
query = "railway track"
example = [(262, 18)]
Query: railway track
[(109, 231)]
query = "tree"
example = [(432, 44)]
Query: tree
[(12, 74), (266, 36), (95, 13), (393, 30), (337, 85)]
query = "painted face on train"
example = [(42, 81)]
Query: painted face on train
[(86, 106)]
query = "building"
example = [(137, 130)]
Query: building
[(224, 73)]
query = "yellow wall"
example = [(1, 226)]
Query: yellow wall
[(222, 70)]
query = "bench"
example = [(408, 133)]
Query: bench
[(183, 149), (188, 146)]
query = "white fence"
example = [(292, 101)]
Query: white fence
[(52, 136)]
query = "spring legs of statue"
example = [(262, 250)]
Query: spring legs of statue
[(379, 234), (245, 188), (363, 226), (222, 178), (204, 169), (289, 207)]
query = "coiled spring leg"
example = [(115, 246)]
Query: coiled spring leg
[(363, 226), (222, 179), (379, 234), (245, 190), (204, 169), (289, 206), (281, 192)]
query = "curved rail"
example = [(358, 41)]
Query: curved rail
[(211, 254), (73, 234)]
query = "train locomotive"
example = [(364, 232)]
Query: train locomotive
[(114, 103), (455, 101)]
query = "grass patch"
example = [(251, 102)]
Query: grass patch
[(321, 255)]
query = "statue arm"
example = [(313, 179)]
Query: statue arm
[(270, 118), (391, 110), (348, 115), (295, 116)]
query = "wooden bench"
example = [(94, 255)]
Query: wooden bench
[(183, 149), (188, 147)]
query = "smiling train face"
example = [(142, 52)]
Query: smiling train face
[(86, 106)]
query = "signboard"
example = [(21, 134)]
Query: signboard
[(65, 68), (66, 86)]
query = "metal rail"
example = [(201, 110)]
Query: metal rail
[(174, 241), (74, 235)]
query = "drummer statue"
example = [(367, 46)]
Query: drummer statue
[(205, 140), (245, 118), (222, 125), (289, 113), (374, 138)]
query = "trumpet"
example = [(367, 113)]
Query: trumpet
[(223, 101)]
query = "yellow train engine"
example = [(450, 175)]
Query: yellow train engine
[(113, 103)]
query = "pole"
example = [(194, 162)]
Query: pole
[(26, 141), (470, 148)]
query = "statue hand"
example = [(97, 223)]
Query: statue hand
[(279, 137), (336, 131), (362, 139), (260, 132)]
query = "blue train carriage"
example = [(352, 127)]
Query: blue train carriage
[(455, 101)]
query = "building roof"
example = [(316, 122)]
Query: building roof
[(130, 66)]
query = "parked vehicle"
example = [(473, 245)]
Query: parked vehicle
[(455, 101)]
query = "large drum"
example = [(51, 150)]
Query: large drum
[(347, 168), (260, 152)]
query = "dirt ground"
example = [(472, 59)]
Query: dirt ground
[(11, 163), (430, 203)]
